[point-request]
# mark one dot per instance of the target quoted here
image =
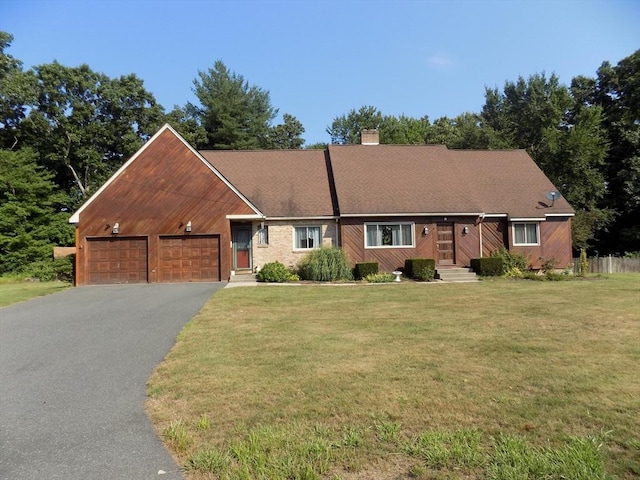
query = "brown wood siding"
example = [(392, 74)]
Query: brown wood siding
[(555, 243), (165, 187), (467, 246), (494, 235)]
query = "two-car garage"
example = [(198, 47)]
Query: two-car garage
[(177, 258)]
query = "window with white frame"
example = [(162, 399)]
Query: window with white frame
[(382, 235), (263, 236), (526, 233), (306, 238)]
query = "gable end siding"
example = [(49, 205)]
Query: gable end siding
[(157, 194)]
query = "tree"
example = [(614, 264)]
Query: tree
[(466, 131), (404, 130), (31, 216), (346, 129), (286, 136), (235, 115), (84, 125), (15, 93), (562, 134), (186, 123), (616, 90)]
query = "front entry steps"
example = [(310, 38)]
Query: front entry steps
[(243, 277), (458, 275)]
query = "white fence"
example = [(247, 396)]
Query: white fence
[(610, 265)]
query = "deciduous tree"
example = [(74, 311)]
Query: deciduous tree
[(84, 125)]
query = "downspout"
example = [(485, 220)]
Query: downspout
[(337, 232), (481, 218)]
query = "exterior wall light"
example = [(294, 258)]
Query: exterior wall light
[(425, 231), (116, 228), (465, 229), (188, 227)]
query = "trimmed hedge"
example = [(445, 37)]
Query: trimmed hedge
[(488, 266), (362, 269), (420, 268)]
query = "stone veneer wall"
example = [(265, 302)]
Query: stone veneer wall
[(280, 247)]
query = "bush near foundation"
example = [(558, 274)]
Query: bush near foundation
[(422, 269), (275, 272), (326, 264), (487, 266), (362, 269)]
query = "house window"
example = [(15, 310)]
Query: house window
[(526, 234), (381, 235), (306, 238), (263, 236)]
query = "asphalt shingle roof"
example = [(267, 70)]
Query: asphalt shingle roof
[(399, 179), (280, 183), (389, 179)]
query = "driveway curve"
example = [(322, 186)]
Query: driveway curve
[(73, 373)]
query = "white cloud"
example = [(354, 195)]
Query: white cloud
[(439, 62)]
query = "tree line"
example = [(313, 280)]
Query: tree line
[(65, 130)]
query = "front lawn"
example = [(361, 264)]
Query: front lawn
[(498, 379), (15, 290)]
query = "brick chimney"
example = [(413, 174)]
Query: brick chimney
[(370, 137)]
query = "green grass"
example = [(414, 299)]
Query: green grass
[(13, 290), (497, 379)]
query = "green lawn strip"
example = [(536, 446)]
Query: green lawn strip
[(14, 291), (364, 378)]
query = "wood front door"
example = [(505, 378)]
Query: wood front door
[(446, 244), (241, 247)]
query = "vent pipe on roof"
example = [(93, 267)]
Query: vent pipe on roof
[(370, 137)]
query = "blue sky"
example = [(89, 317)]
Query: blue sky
[(320, 59)]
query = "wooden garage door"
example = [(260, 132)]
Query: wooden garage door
[(190, 259), (117, 260)]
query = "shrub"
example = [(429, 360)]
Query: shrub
[(487, 266), (380, 277), (419, 268), (427, 274), (548, 265), (275, 272), (514, 263), (583, 266), (326, 264), (363, 269), (61, 269)]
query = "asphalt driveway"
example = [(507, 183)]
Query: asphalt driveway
[(73, 368)]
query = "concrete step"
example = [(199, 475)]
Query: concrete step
[(243, 277), (456, 275)]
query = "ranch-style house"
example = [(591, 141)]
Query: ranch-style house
[(175, 214)]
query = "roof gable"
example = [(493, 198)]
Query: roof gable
[(163, 134)]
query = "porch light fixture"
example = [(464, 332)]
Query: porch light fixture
[(425, 231), (465, 229), (188, 227), (116, 228)]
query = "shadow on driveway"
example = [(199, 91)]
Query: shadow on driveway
[(73, 373)]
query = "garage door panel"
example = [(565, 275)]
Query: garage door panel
[(117, 260), (190, 258)]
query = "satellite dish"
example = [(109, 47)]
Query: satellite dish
[(553, 196)]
